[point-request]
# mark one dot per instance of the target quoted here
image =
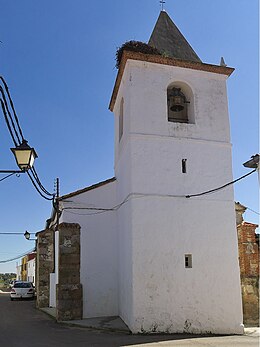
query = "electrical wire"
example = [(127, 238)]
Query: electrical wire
[(36, 177), (7, 123), (17, 137), (116, 207), (221, 187), (14, 233), (10, 116), (17, 257), (253, 211), (38, 190), (12, 106), (87, 214), (11, 174)]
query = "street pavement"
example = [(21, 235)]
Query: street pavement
[(22, 325)]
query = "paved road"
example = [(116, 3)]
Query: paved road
[(22, 325)]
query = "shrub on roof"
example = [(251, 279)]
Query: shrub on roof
[(135, 46)]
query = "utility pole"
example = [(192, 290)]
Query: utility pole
[(56, 205)]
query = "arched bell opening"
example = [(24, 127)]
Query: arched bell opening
[(179, 98)]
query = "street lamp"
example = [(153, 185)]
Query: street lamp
[(252, 163), (25, 156), (27, 235)]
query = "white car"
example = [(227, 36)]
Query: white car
[(11, 284), (22, 290)]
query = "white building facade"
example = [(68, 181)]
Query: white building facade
[(154, 250), (31, 271)]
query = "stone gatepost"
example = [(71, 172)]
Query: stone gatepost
[(69, 289), (249, 270), (44, 266)]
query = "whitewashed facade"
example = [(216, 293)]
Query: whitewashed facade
[(160, 260), (31, 271)]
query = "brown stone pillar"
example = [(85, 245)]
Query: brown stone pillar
[(69, 289), (249, 271), (44, 266)]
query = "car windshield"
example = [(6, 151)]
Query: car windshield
[(22, 285)]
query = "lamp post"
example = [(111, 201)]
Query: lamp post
[(253, 163), (27, 235), (25, 156)]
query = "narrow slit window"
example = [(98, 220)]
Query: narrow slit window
[(184, 165), (121, 119), (188, 261)]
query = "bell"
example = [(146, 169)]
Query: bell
[(176, 100)]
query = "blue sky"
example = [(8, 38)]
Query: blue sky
[(58, 58)]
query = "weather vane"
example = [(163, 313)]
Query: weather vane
[(162, 3)]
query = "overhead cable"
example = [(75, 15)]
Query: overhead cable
[(221, 187), (253, 211), (35, 175), (10, 116), (11, 174), (38, 189), (116, 207), (12, 106), (17, 257), (7, 123), (16, 133), (14, 233)]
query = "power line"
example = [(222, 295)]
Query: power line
[(12, 106), (7, 123), (253, 211), (36, 177), (17, 257), (16, 133), (10, 116), (221, 187), (14, 233), (11, 174), (116, 207), (38, 188)]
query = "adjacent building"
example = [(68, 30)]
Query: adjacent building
[(26, 270), (248, 246)]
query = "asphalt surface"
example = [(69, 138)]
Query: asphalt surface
[(22, 325)]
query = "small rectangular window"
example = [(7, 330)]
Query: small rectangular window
[(184, 165), (188, 261)]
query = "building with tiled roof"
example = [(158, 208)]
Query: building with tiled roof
[(151, 245)]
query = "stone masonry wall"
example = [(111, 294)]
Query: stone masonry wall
[(249, 271), (69, 288), (44, 266)]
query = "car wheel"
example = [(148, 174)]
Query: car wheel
[(12, 299)]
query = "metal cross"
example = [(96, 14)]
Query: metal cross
[(162, 3)]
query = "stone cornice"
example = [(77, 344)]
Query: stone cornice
[(159, 59)]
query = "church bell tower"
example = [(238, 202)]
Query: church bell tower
[(178, 252)]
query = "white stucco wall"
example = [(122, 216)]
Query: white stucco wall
[(164, 225), (31, 271), (99, 249)]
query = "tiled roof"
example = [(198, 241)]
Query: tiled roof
[(86, 189), (168, 39)]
